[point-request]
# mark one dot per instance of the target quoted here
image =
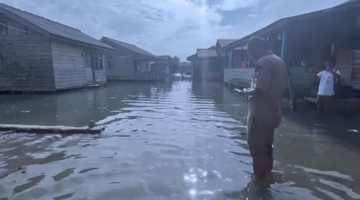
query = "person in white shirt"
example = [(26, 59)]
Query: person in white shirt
[(326, 92)]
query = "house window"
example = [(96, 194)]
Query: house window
[(100, 60), (109, 64)]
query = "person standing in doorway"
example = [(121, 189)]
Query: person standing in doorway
[(326, 92), (265, 99)]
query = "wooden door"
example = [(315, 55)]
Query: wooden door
[(89, 68)]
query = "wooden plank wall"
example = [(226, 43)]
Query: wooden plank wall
[(122, 68), (69, 66), (344, 62), (355, 73), (100, 76), (32, 51)]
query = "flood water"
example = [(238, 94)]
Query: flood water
[(164, 141)]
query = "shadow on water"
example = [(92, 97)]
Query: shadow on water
[(165, 141)]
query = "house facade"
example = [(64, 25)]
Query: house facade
[(304, 42), (127, 62), (58, 57), (208, 64)]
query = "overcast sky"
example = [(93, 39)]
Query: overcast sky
[(169, 27)]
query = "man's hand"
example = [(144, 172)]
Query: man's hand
[(243, 91), (239, 91), (335, 74)]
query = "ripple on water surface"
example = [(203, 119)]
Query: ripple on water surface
[(179, 141)]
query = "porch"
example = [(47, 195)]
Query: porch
[(304, 42)]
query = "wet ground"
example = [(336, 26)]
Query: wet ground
[(167, 141)]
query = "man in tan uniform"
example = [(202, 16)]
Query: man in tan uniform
[(265, 98)]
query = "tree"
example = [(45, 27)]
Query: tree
[(175, 63), (177, 59), (10, 68)]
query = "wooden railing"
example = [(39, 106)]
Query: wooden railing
[(149, 76), (301, 78)]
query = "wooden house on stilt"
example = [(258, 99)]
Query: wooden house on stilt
[(127, 62), (305, 42), (61, 57)]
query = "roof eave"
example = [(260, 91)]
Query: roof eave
[(80, 43)]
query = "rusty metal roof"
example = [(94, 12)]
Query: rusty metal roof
[(52, 27)]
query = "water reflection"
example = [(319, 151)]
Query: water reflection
[(72, 108), (174, 141)]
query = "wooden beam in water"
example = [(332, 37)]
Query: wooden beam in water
[(49, 129)]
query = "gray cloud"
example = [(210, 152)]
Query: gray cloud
[(174, 27)]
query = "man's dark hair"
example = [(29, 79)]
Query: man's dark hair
[(257, 42)]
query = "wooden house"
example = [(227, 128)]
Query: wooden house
[(166, 64), (130, 63), (186, 68), (305, 42), (208, 64), (60, 57)]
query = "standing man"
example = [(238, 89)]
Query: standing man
[(265, 99), (326, 92)]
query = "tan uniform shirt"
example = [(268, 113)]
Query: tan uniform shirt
[(270, 76)]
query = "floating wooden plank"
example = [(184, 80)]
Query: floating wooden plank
[(49, 129)]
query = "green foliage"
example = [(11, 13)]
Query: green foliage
[(176, 59), (175, 63), (9, 67)]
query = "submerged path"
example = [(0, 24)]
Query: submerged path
[(162, 142)]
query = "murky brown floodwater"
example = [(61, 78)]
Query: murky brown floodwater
[(179, 141)]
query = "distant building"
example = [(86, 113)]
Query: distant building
[(186, 68), (61, 57), (166, 63), (130, 63)]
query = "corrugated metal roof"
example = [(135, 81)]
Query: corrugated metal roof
[(281, 22), (53, 27), (167, 57), (224, 42), (206, 53), (128, 46)]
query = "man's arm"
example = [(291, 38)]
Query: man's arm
[(263, 80), (336, 74), (318, 72)]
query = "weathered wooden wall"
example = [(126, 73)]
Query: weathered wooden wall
[(344, 62), (100, 76), (69, 66), (35, 51), (355, 71), (122, 67)]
